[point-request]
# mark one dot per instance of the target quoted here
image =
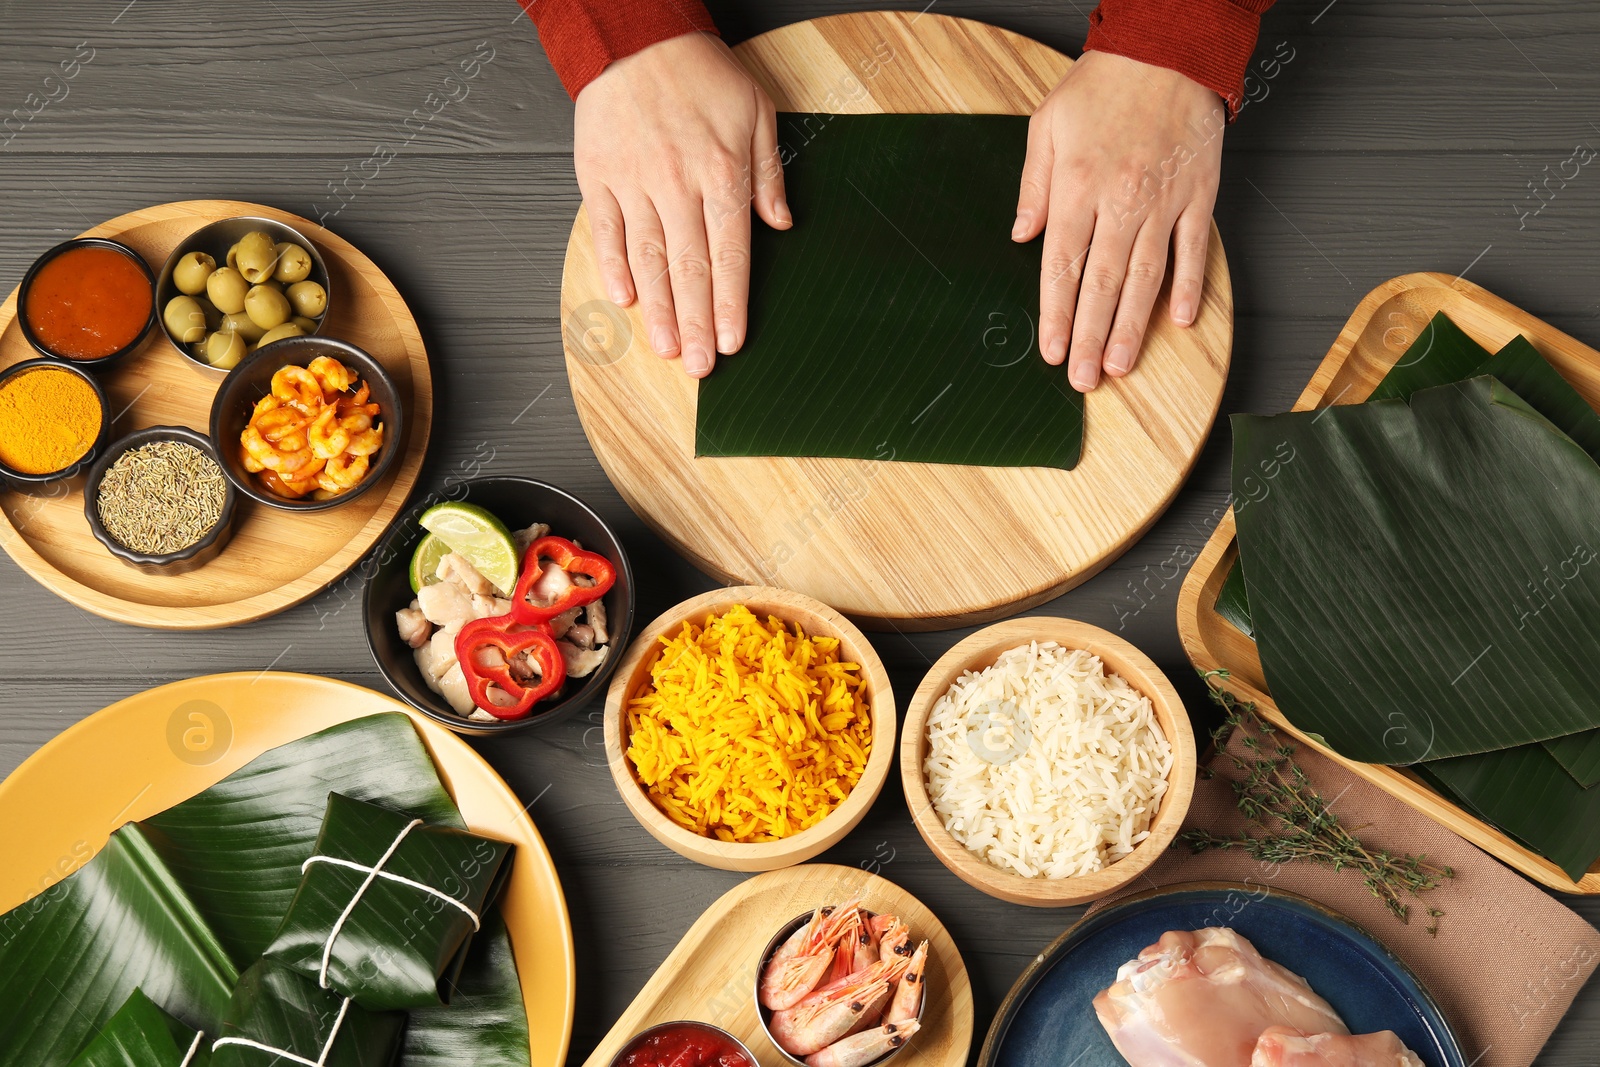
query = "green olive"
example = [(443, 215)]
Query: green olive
[(258, 255), (184, 319), (308, 299), (243, 325), (224, 349), (308, 325), (232, 257), (294, 263), (191, 273), (278, 333), (227, 288), (209, 310), (266, 307)]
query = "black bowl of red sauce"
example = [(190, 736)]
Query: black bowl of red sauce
[(685, 1043), (88, 301)]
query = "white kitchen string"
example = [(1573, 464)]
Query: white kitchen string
[(396, 878), (372, 874), (194, 1046), (322, 1058)]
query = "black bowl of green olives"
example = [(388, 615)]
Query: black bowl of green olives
[(235, 285)]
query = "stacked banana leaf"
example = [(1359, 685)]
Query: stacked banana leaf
[(123, 961), (1421, 575)]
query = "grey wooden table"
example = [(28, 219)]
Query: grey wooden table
[(1401, 135)]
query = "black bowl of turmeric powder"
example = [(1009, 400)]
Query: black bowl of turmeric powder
[(53, 423)]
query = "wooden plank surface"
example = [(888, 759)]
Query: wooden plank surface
[(1400, 137)]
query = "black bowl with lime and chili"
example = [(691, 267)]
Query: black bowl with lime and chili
[(579, 542)]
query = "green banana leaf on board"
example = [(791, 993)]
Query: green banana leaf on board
[(1406, 636), (1448, 354), (140, 1034), (897, 319), (180, 904)]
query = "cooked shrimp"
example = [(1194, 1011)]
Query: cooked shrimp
[(271, 457), (342, 473), (907, 1000), (365, 443), (327, 437), (864, 1047), (894, 940), (299, 388), (801, 962), (331, 375), (825, 1017)]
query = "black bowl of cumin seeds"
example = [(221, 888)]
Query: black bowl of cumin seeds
[(158, 500)]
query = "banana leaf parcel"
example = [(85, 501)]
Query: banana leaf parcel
[(181, 903), (388, 905), (140, 1034), (278, 1016), (897, 319)]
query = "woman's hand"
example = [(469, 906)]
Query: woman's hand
[(1123, 161), (671, 146)]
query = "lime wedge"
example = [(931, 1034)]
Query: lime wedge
[(477, 535), (425, 561)]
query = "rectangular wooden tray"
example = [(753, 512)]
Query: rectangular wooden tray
[(1380, 330), (710, 975)]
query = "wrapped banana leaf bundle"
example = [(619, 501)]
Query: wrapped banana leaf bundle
[(1421, 575), (173, 908), (277, 1016), (140, 1034), (388, 905)]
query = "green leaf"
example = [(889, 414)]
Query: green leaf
[(1525, 792), (140, 1034), (897, 319), (1408, 636), (233, 854), (394, 946), (72, 956), (280, 1009)]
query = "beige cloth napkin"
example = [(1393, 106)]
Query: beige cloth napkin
[(1507, 960)]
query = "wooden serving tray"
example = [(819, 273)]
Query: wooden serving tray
[(1380, 330), (891, 544), (710, 975), (276, 559)]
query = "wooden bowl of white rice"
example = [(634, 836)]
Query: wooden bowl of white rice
[(1046, 761)]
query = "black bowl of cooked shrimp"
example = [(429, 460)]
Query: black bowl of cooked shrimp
[(307, 423)]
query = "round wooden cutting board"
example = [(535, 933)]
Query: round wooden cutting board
[(909, 545), (276, 559)]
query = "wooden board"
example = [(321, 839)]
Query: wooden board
[(710, 975), (1380, 330), (139, 756), (276, 559), (891, 544)]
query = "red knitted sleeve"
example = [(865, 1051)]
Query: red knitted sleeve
[(582, 36), (1210, 41)]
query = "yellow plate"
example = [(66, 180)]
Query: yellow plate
[(144, 754)]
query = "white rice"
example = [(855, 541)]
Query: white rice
[(1044, 764)]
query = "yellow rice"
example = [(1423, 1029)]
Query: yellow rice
[(749, 732)]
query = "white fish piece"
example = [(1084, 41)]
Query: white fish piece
[(436, 657), (581, 662), (581, 634), (446, 604), (414, 627), (456, 568), (1202, 998), (453, 687), (1284, 1046), (595, 616), (488, 607), (525, 537), (564, 622)]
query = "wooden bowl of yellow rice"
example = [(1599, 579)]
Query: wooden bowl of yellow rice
[(750, 728)]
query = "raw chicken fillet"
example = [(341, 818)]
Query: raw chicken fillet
[(1202, 998), (1283, 1046)]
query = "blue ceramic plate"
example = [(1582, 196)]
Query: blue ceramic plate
[(1048, 1019)]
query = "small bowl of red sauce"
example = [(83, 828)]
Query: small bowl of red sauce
[(685, 1043), (88, 301)]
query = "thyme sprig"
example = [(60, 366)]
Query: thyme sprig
[(1294, 822)]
